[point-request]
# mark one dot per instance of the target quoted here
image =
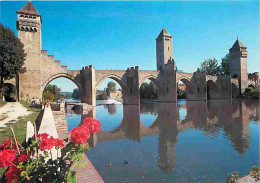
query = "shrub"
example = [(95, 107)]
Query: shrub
[(255, 172), (255, 93), (33, 161), (232, 178), (248, 90)]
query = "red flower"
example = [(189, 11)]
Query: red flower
[(42, 135), (93, 125), (12, 175), (58, 142), (6, 144), (7, 156), (46, 144), (22, 158), (79, 135)]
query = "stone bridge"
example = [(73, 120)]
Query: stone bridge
[(42, 68), (199, 86)]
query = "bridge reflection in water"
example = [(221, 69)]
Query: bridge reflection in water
[(230, 117)]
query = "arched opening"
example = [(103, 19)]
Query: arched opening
[(9, 92), (148, 91), (235, 90), (211, 89), (183, 88), (251, 86), (182, 110), (61, 89), (235, 76), (109, 91)]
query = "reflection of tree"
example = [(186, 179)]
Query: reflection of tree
[(111, 109), (149, 108)]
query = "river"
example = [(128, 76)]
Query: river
[(187, 141)]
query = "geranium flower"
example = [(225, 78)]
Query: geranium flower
[(42, 135), (6, 144), (79, 135), (22, 158), (7, 156), (93, 125), (12, 175), (46, 144), (58, 142)]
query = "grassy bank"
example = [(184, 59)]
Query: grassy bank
[(2, 103), (20, 126)]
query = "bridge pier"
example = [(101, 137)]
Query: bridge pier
[(132, 96), (87, 76), (198, 87), (168, 87), (223, 89)]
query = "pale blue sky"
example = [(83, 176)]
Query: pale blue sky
[(118, 35)]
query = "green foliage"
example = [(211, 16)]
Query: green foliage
[(210, 66), (252, 93), (40, 167), (20, 126), (12, 56), (76, 94), (111, 86), (224, 68), (51, 93), (181, 94), (148, 91), (104, 94), (232, 178), (249, 89), (255, 173)]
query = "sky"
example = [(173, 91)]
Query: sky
[(118, 35)]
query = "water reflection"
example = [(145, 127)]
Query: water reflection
[(167, 121)]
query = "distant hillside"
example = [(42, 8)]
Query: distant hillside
[(64, 93)]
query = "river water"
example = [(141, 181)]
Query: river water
[(187, 141)]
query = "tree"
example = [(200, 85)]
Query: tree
[(225, 65), (76, 94), (210, 66), (111, 86), (148, 91), (51, 93), (12, 56)]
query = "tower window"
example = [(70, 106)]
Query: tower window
[(168, 48)]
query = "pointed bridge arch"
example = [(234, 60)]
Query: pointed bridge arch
[(71, 76)]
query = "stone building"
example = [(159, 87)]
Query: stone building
[(238, 64), (164, 49), (115, 94)]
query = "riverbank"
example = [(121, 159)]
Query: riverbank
[(19, 125)]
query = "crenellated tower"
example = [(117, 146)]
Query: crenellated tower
[(164, 49), (29, 28), (238, 64)]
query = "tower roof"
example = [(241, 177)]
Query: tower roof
[(29, 9), (238, 44), (164, 32)]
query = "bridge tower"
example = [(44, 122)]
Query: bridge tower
[(28, 26), (164, 49), (238, 64)]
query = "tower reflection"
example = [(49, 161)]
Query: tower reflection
[(215, 117)]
